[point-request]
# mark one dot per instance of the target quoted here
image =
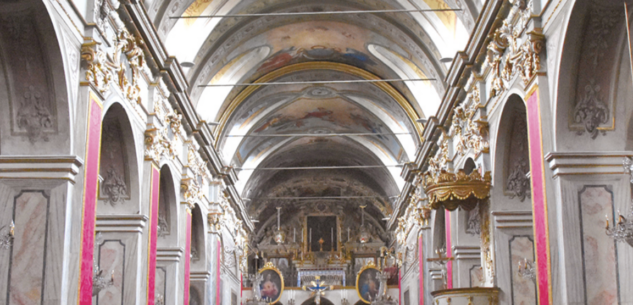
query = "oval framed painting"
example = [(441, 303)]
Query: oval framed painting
[(367, 283), (272, 285)]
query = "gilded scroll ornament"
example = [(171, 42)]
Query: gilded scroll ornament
[(103, 68), (451, 191), (96, 72), (191, 191), (522, 57), (469, 133), (439, 161)]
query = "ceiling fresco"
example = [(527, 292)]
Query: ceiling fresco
[(304, 124)]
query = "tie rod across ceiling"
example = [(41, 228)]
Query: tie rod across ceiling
[(286, 14), (318, 135), (323, 197), (317, 167), (324, 82)]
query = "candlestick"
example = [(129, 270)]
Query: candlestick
[(294, 235), (348, 234), (332, 237)]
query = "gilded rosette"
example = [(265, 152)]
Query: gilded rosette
[(450, 191)]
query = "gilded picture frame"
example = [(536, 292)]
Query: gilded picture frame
[(272, 285), (367, 284)]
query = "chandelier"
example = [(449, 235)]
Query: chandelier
[(280, 236), (6, 239), (622, 229), (527, 270), (364, 234)]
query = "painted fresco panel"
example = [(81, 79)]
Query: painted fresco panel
[(599, 256), (523, 290), (111, 259), (26, 274)]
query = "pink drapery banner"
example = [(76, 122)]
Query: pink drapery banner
[(421, 269), (628, 34), (91, 183), (187, 257), (449, 250), (153, 229), (539, 198), (217, 274)]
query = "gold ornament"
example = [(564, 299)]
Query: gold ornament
[(450, 191)]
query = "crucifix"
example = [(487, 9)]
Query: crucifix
[(318, 288)]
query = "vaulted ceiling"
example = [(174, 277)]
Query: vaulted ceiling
[(263, 128)]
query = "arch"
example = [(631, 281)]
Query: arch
[(34, 86), (168, 209), (324, 301), (469, 166), (591, 107), (225, 114), (198, 240), (438, 230), (194, 296), (511, 155), (119, 189)]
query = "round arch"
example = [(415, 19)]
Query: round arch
[(324, 301), (168, 209), (332, 66), (119, 191)]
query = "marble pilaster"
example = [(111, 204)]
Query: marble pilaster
[(119, 249)]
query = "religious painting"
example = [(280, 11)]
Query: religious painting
[(367, 283), (272, 284), (339, 42), (322, 233)]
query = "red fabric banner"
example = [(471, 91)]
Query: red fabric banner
[(187, 257), (153, 229), (539, 199), (91, 183)]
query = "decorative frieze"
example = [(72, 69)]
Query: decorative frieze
[(509, 54), (440, 160), (469, 133), (103, 68)]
